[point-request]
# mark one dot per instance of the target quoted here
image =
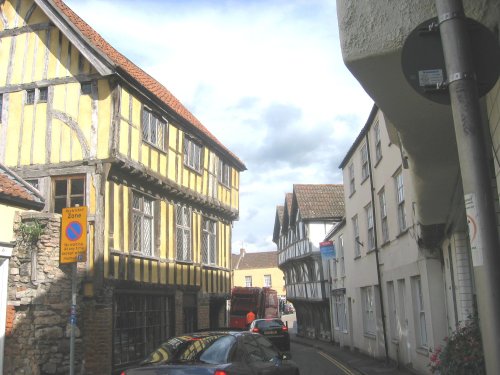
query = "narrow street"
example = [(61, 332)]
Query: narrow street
[(313, 361)]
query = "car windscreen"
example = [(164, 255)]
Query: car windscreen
[(212, 349)]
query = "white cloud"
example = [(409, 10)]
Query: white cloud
[(265, 77)]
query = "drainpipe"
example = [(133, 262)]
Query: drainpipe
[(379, 277), (476, 181)]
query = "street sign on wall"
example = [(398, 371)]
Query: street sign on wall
[(327, 249), (73, 235)]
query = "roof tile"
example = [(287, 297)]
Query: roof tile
[(266, 259), (15, 191), (319, 201), (144, 79)]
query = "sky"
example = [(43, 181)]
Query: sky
[(266, 77)]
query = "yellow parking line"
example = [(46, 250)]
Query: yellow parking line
[(337, 363)]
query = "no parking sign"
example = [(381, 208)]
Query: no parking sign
[(73, 235)]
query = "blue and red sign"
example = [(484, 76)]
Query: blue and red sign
[(74, 231)]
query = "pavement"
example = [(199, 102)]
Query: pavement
[(360, 362)]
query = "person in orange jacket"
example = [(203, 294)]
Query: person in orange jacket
[(250, 317)]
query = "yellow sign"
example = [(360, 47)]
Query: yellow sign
[(73, 235)]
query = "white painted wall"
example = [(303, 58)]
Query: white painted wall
[(400, 261)]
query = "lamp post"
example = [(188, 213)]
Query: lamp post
[(476, 180)]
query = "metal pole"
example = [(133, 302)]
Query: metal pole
[(476, 180), (72, 319)]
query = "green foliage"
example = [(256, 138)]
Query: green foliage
[(31, 231), (462, 353)]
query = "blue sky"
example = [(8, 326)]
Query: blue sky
[(266, 77)]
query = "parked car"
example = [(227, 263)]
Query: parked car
[(273, 329), (289, 309), (216, 353)]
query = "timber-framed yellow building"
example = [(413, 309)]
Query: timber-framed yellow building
[(86, 126)]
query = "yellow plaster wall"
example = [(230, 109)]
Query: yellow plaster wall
[(26, 60), (277, 281)]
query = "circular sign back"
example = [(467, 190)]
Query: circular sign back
[(423, 63)]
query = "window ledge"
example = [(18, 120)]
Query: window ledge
[(364, 179), (371, 251), (200, 172), (141, 255), (386, 243), (211, 266), (370, 336), (403, 232), (357, 257), (377, 162), (184, 261), (352, 193), (156, 147), (422, 350)]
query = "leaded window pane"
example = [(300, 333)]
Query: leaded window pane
[(140, 324), (154, 129), (145, 124), (137, 233), (183, 231), (136, 201), (147, 236), (143, 224)]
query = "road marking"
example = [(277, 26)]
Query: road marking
[(337, 363)]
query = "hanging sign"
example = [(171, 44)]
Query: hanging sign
[(327, 250), (73, 235)]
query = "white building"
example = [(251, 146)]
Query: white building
[(379, 257), (372, 35)]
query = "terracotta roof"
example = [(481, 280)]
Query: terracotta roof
[(318, 201), (144, 79), (288, 202), (266, 259), (14, 191)]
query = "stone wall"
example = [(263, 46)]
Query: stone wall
[(98, 333), (39, 301)]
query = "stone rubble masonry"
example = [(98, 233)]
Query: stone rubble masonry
[(39, 301), (97, 338)]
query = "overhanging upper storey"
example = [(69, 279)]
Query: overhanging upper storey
[(372, 37)]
